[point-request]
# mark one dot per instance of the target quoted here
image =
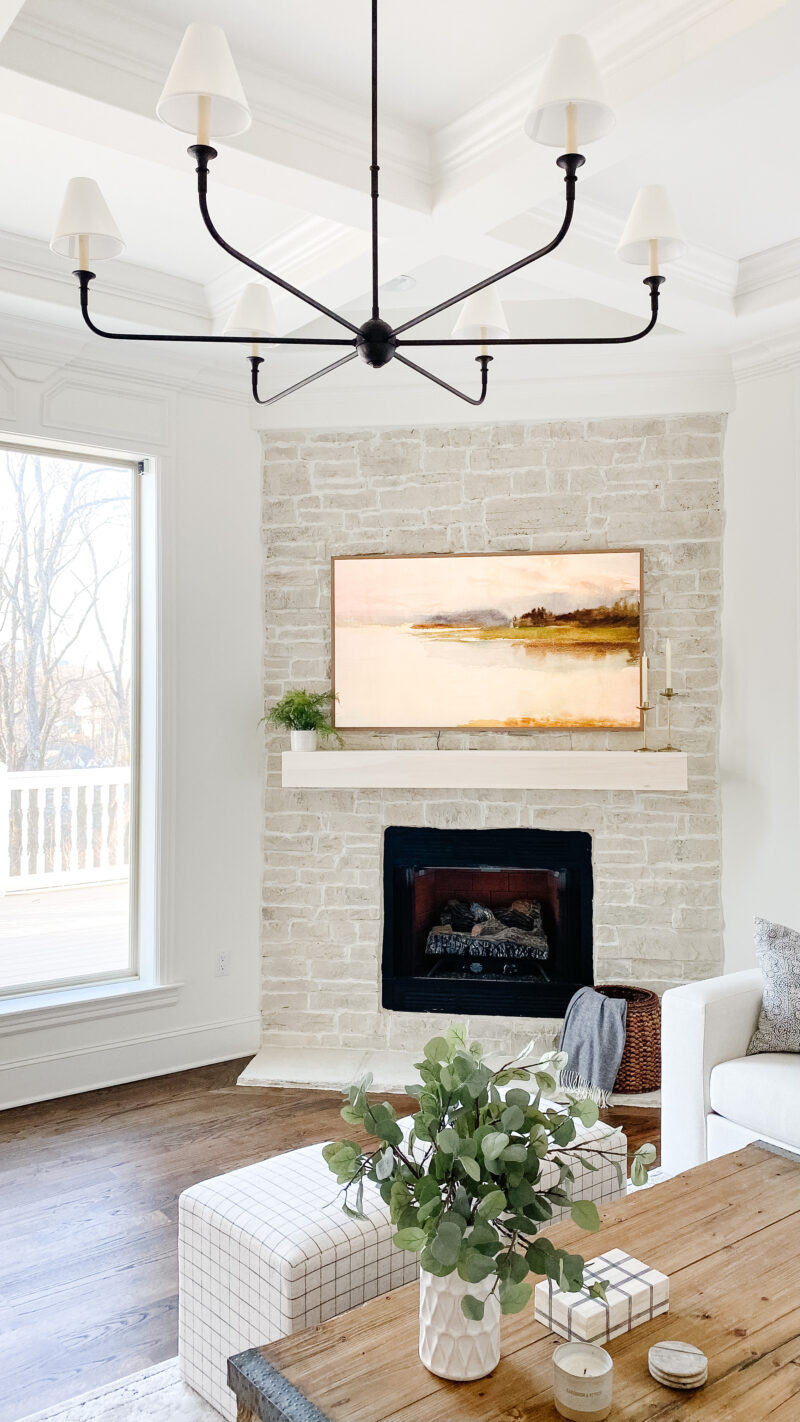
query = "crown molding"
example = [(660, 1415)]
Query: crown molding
[(105, 36), (771, 356), (774, 266), (620, 35)]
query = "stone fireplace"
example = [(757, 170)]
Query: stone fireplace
[(485, 922), (336, 976)]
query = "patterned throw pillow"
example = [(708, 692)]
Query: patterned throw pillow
[(778, 953)]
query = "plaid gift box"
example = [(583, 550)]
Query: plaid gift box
[(635, 1294)]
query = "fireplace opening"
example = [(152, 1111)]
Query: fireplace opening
[(486, 921)]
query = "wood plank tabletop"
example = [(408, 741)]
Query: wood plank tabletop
[(726, 1233)]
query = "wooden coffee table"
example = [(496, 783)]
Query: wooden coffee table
[(728, 1236)]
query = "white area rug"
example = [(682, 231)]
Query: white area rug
[(158, 1395)]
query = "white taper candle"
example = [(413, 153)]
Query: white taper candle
[(644, 680), (668, 650)]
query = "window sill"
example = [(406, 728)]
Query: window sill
[(79, 1004)]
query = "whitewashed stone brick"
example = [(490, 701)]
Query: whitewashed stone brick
[(546, 486)]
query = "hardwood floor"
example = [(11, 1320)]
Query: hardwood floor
[(89, 1188)]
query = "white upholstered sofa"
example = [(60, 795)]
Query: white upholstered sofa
[(715, 1098)]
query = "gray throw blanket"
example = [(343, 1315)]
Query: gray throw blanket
[(593, 1037)]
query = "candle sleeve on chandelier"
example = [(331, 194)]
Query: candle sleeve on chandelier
[(85, 229), (570, 99), (652, 228), (203, 94)]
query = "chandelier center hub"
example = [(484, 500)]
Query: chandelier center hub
[(376, 342)]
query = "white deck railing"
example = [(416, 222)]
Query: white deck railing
[(60, 827)]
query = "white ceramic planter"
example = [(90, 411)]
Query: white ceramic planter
[(303, 740), (450, 1345)]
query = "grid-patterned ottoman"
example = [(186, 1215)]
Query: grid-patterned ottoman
[(267, 1250)]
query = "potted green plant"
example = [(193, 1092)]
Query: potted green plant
[(465, 1190), (303, 714)]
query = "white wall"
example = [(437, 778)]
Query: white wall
[(760, 711), (208, 463)]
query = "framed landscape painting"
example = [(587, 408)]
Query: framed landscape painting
[(532, 641)]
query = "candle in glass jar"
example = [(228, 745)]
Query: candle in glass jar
[(668, 651), (583, 1381)]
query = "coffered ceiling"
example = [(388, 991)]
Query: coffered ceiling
[(707, 95)]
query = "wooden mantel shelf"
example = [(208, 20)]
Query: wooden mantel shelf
[(485, 770)]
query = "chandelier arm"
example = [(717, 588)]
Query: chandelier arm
[(570, 162), (257, 361), (654, 282), (374, 168), (470, 399), (203, 153), (85, 277)]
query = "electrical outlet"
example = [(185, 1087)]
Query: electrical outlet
[(223, 964)]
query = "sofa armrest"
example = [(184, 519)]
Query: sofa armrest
[(702, 1024)]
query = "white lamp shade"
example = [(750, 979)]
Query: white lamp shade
[(652, 218), (570, 76), (204, 68), (482, 316), (253, 313), (84, 213)]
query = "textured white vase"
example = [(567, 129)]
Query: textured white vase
[(450, 1345), (303, 740)]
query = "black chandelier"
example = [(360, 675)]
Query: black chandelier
[(203, 94)]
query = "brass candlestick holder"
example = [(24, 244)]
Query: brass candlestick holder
[(645, 708), (668, 696)]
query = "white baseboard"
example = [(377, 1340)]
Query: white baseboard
[(91, 1067)]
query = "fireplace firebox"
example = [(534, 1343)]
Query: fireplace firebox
[(495, 922)]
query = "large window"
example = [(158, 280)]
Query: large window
[(68, 693)]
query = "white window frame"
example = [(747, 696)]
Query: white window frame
[(146, 968)]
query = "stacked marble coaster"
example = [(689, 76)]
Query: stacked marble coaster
[(678, 1365)]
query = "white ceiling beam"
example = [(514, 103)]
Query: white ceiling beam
[(9, 10)]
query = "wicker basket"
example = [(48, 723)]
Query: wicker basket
[(640, 1068)]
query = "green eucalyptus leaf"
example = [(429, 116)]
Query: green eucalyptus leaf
[(584, 1213), (646, 1153), (514, 1153), (432, 1265), (493, 1145), (598, 1289), (513, 1297), (586, 1110), (426, 1189), (352, 1115), (384, 1165), (446, 1243), (638, 1172), (430, 1209), (472, 1308), (517, 1097), (565, 1132), (570, 1272), (449, 1141), (473, 1265), (411, 1239), (470, 1167), (437, 1050), (538, 1209), (541, 1256), (512, 1119), (545, 1081), (492, 1205)]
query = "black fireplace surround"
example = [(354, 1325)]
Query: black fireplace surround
[(449, 897)]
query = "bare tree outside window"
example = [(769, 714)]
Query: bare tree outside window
[(66, 622)]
